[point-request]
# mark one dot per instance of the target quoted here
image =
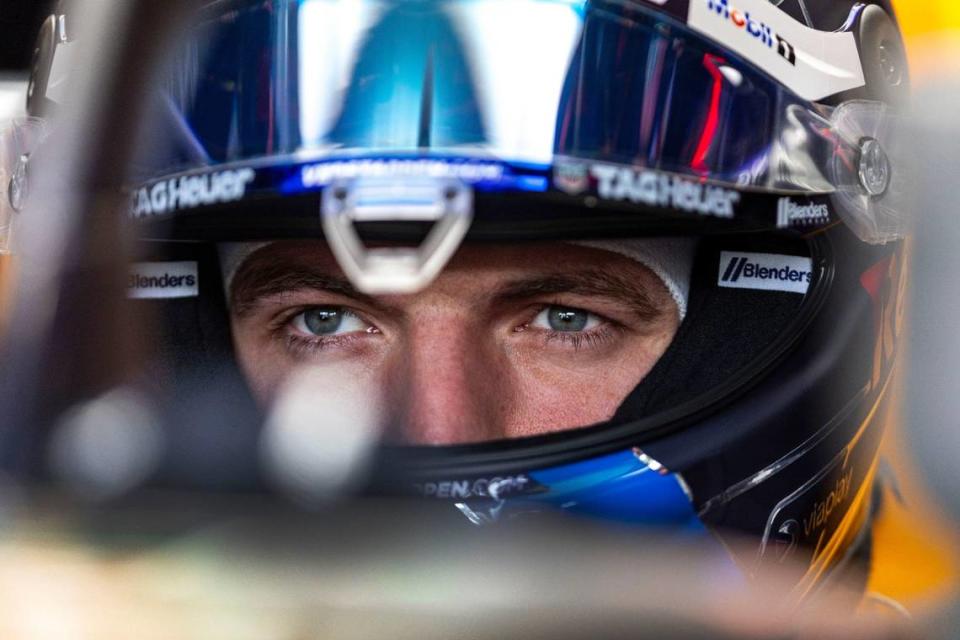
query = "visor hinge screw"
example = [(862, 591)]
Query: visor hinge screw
[(874, 170), (17, 190)]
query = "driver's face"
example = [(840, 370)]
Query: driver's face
[(508, 341)]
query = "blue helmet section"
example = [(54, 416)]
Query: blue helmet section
[(623, 488)]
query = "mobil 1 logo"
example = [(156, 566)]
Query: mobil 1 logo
[(765, 271)]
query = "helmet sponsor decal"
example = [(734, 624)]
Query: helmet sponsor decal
[(815, 522), (657, 189), (160, 280), (813, 64), (479, 487), (791, 214), (571, 177), (322, 174), (190, 191), (765, 271), (755, 28)]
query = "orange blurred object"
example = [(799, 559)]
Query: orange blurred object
[(6, 288), (915, 564), (932, 33)]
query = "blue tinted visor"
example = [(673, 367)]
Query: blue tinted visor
[(518, 81)]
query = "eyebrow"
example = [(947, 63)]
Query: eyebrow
[(587, 282), (259, 279)]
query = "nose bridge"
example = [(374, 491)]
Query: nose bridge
[(451, 378)]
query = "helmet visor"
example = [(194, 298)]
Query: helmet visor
[(523, 82)]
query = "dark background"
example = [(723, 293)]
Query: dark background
[(20, 21)]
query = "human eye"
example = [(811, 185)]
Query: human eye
[(320, 322), (315, 328), (572, 327), (565, 319)]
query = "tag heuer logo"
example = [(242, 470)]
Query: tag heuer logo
[(571, 178)]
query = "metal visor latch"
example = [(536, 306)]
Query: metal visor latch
[(18, 188), (445, 202), (873, 168)]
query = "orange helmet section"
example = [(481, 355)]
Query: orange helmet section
[(932, 33), (918, 18)]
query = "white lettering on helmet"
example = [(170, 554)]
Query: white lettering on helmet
[(791, 214), (325, 173), (159, 280), (480, 487), (765, 271), (661, 190), (187, 192)]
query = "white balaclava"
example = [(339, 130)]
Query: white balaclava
[(671, 259)]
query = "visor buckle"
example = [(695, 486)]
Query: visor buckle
[(18, 188), (447, 203)]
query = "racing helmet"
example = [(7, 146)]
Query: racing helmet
[(400, 131)]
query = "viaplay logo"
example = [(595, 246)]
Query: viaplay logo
[(759, 30)]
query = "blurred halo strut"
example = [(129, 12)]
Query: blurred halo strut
[(70, 247)]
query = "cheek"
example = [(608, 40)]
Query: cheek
[(561, 393), (556, 401), (269, 368), (261, 362), (267, 363)]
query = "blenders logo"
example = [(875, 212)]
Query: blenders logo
[(659, 190), (161, 280), (187, 192), (791, 214), (757, 29), (765, 271)]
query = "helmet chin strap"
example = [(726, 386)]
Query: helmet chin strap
[(671, 259)]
